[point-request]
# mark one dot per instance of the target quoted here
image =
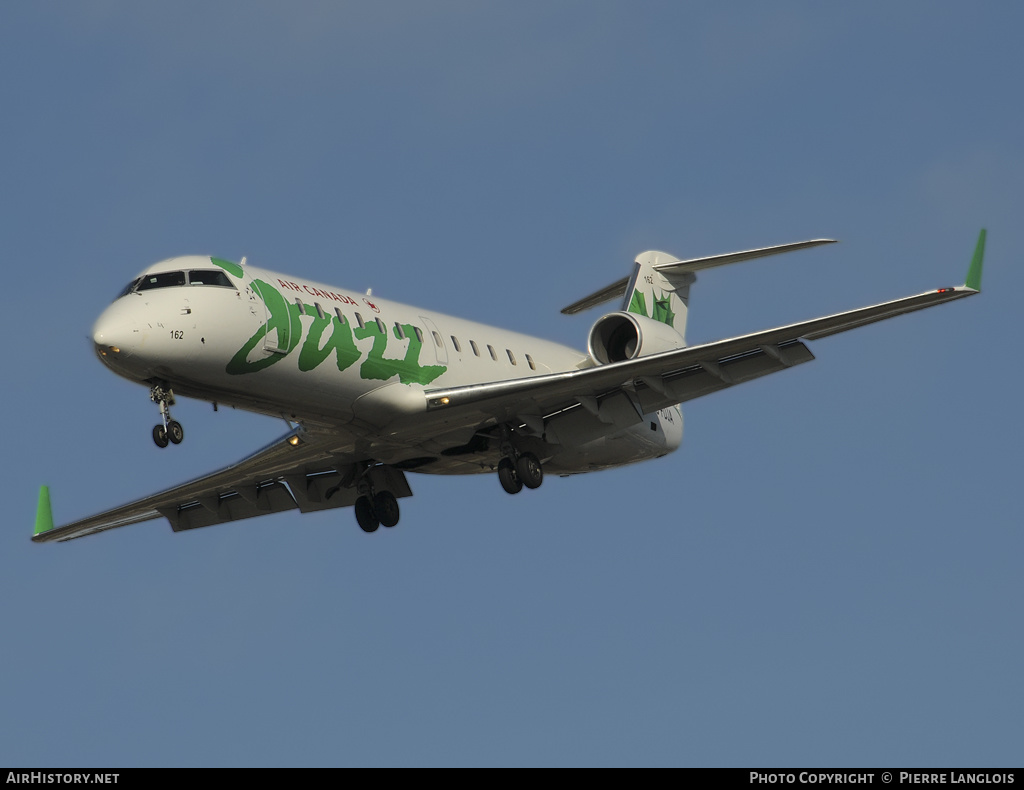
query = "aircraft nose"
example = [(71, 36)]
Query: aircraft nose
[(115, 333)]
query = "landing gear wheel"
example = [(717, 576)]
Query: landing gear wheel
[(160, 436), (508, 477), (365, 515), (175, 432), (529, 470), (386, 507)]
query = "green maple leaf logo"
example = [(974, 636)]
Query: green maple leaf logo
[(663, 309), (638, 304)]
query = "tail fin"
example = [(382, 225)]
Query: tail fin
[(662, 295)]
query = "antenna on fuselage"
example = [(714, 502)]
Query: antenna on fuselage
[(369, 292), (243, 261)]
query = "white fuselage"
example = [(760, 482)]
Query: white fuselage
[(344, 362)]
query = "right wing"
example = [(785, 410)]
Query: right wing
[(662, 379), (298, 470)]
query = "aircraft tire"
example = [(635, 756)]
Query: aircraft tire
[(530, 472), (175, 432), (386, 507), (365, 515), (508, 477), (160, 436)]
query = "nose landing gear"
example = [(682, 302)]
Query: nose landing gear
[(167, 431)]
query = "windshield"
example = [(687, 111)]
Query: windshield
[(207, 277)]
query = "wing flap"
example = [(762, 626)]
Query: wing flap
[(227, 507)]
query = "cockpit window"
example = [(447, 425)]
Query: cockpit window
[(209, 277), (129, 288), (162, 280)]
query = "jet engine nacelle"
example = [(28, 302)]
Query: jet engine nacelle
[(617, 337)]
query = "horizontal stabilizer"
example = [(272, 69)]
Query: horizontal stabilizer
[(698, 264), (618, 288)]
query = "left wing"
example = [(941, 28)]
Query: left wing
[(297, 471)]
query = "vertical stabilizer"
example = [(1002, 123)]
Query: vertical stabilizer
[(664, 295)]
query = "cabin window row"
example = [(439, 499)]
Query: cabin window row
[(400, 333), (493, 354)]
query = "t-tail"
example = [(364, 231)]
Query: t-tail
[(659, 287)]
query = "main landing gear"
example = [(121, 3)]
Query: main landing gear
[(517, 469), (167, 431), (374, 508), (380, 508)]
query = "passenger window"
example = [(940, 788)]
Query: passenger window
[(529, 361), (511, 357), (319, 309), (337, 312), (399, 332), (455, 343), (205, 277), (359, 321), (302, 307), (419, 333), (163, 280), (437, 339), (472, 344), (491, 349), (380, 326)]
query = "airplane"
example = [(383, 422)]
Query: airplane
[(372, 389)]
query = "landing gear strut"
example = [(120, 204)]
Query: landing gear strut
[(167, 430)]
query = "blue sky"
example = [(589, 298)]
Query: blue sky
[(827, 573)]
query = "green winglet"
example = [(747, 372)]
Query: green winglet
[(44, 513), (974, 273)]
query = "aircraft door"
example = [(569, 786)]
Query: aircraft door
[(271, 309), (271, 312), (435, 340)]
